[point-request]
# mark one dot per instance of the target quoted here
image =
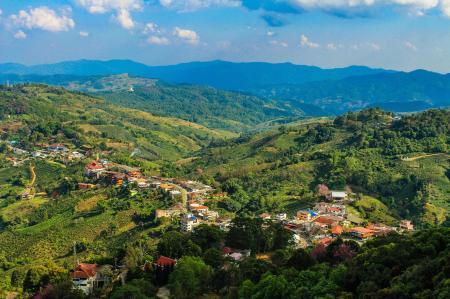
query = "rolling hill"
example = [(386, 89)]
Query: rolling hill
[(52, 114), (370, 152), (214, 108)]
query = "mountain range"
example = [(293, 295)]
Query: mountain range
[(308, 89)]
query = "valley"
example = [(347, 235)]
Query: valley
[(95, 177)]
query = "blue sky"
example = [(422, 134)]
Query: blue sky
[(395, 34)]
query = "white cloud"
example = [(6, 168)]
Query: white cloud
[(83, 33), (306, 43), (122, 9), (189, 36), (410, 46), (123, 17), (104, 6), (279, 43), (42, 18), (151, 28), (331, 46), (374, 46), (415, 7), (270, 33), (191, 5), (158, 40), (20, 35)]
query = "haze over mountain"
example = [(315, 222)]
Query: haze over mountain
[(310, 89), (219, 74)]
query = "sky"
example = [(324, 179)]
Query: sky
[(393, 34)]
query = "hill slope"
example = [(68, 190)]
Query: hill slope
[(369, 152), (33, 113), (200, 104)]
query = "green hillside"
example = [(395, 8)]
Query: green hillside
[(403, 163), (213, 108), (35, 113)]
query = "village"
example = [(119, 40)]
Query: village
[(320, 225)]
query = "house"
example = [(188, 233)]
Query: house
[(338, 195), (164, 261), (94, 168), (115, 178), (306, 215), (336, 230), (361, 233), (143, 183), (329, 208), (76, 155), (380, 229), (84, 277), (223, 223), (166, 187), (164, 266), (325, 241), (83, 186), (199, 209), (299, 241), (189, 222), (236, 255), (406, 225), (265, 216), (168, 213), (325, 221), (210, 215), (175, 193), (281, 216), (57, 148)]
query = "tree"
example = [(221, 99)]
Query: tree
[(207, 236), (175, 244), (270, 287), (61, 290), (190, 278), (300, 260), (246, 233), (213, 257), (135, 289)]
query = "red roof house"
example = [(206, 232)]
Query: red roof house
[(164, 261), (84, 271), (337, 230)]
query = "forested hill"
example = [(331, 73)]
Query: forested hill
[(396, 92), (200, 104), (31, 114), (400, 164), (204, 105)]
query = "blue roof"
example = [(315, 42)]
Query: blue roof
[(312, 213)]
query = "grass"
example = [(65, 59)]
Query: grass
[(374, 210), (21, 208)]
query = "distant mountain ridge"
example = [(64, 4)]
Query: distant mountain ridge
[(311, 89), (220, 74)]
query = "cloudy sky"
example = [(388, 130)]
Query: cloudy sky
[(396, 34)]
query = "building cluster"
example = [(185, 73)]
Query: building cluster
[(328, 220), (57, 151)]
